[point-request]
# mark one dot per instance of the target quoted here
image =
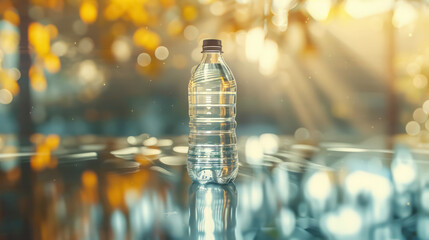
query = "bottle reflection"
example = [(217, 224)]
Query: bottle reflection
[(212, 211)]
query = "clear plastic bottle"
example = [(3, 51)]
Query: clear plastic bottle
[(212, 94)]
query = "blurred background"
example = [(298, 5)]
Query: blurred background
[(331, 69)]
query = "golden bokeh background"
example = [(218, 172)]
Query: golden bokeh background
[(330, 69)]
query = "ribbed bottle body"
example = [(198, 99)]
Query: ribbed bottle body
[(212, 96)]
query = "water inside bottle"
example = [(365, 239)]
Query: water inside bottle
[(212, 155)]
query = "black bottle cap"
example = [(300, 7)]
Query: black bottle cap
[(212, 45)]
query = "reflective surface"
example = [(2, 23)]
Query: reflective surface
[(137, 188)]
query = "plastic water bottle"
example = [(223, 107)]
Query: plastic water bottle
[(212, 95)]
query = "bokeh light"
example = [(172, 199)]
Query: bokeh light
[(161, 53), (52, 63), (269, 57), (88, 11), (319, 186), (318, 9), (37, 79), (59, 48), (419, 115), (6, 96), (361, 9), (420, 81), (175, 27), (143, 59), (404, 14), (426, 106), (254, 43), (346, 223), (191, 32), (404, 169), (302, 134), (39, 37), (11, 16), (147, 39), (121, 49), (217, 8), (85, 46), (87, 70), (412, 128), (190, 13), (79, 27), (89, 179), (14, 73), (8, 40)]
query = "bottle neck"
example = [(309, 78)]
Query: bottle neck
[(212, 57)]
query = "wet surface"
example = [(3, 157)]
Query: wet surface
[(137, 188)]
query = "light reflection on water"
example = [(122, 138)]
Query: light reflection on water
[(124, 190)]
